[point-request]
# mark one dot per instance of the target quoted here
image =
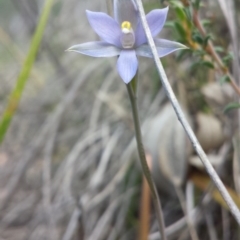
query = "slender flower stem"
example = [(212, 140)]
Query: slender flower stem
[(209, 168), (142, 156)]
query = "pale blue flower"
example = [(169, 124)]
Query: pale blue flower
[(124, 36)]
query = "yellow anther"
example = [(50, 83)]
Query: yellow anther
[(126, 25)]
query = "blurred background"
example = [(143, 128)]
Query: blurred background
[(68, 162)]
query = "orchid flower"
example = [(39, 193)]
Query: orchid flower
[(124, 36)]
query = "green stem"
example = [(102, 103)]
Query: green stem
[(16, 93), (141, 152)]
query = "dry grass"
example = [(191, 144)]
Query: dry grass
[(68, 168)]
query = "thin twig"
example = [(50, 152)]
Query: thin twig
[(209, 168), (182, 200), (210, 49), (145, 205), (142, 157)]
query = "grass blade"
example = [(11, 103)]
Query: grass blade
[(16, 93)]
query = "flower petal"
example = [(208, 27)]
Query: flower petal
[(126, 10), (156, 20), (96, 49), (127, 65), (105, 26), (164, 47)]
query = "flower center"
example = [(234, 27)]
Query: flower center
[(128, 37), (126, 26)]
